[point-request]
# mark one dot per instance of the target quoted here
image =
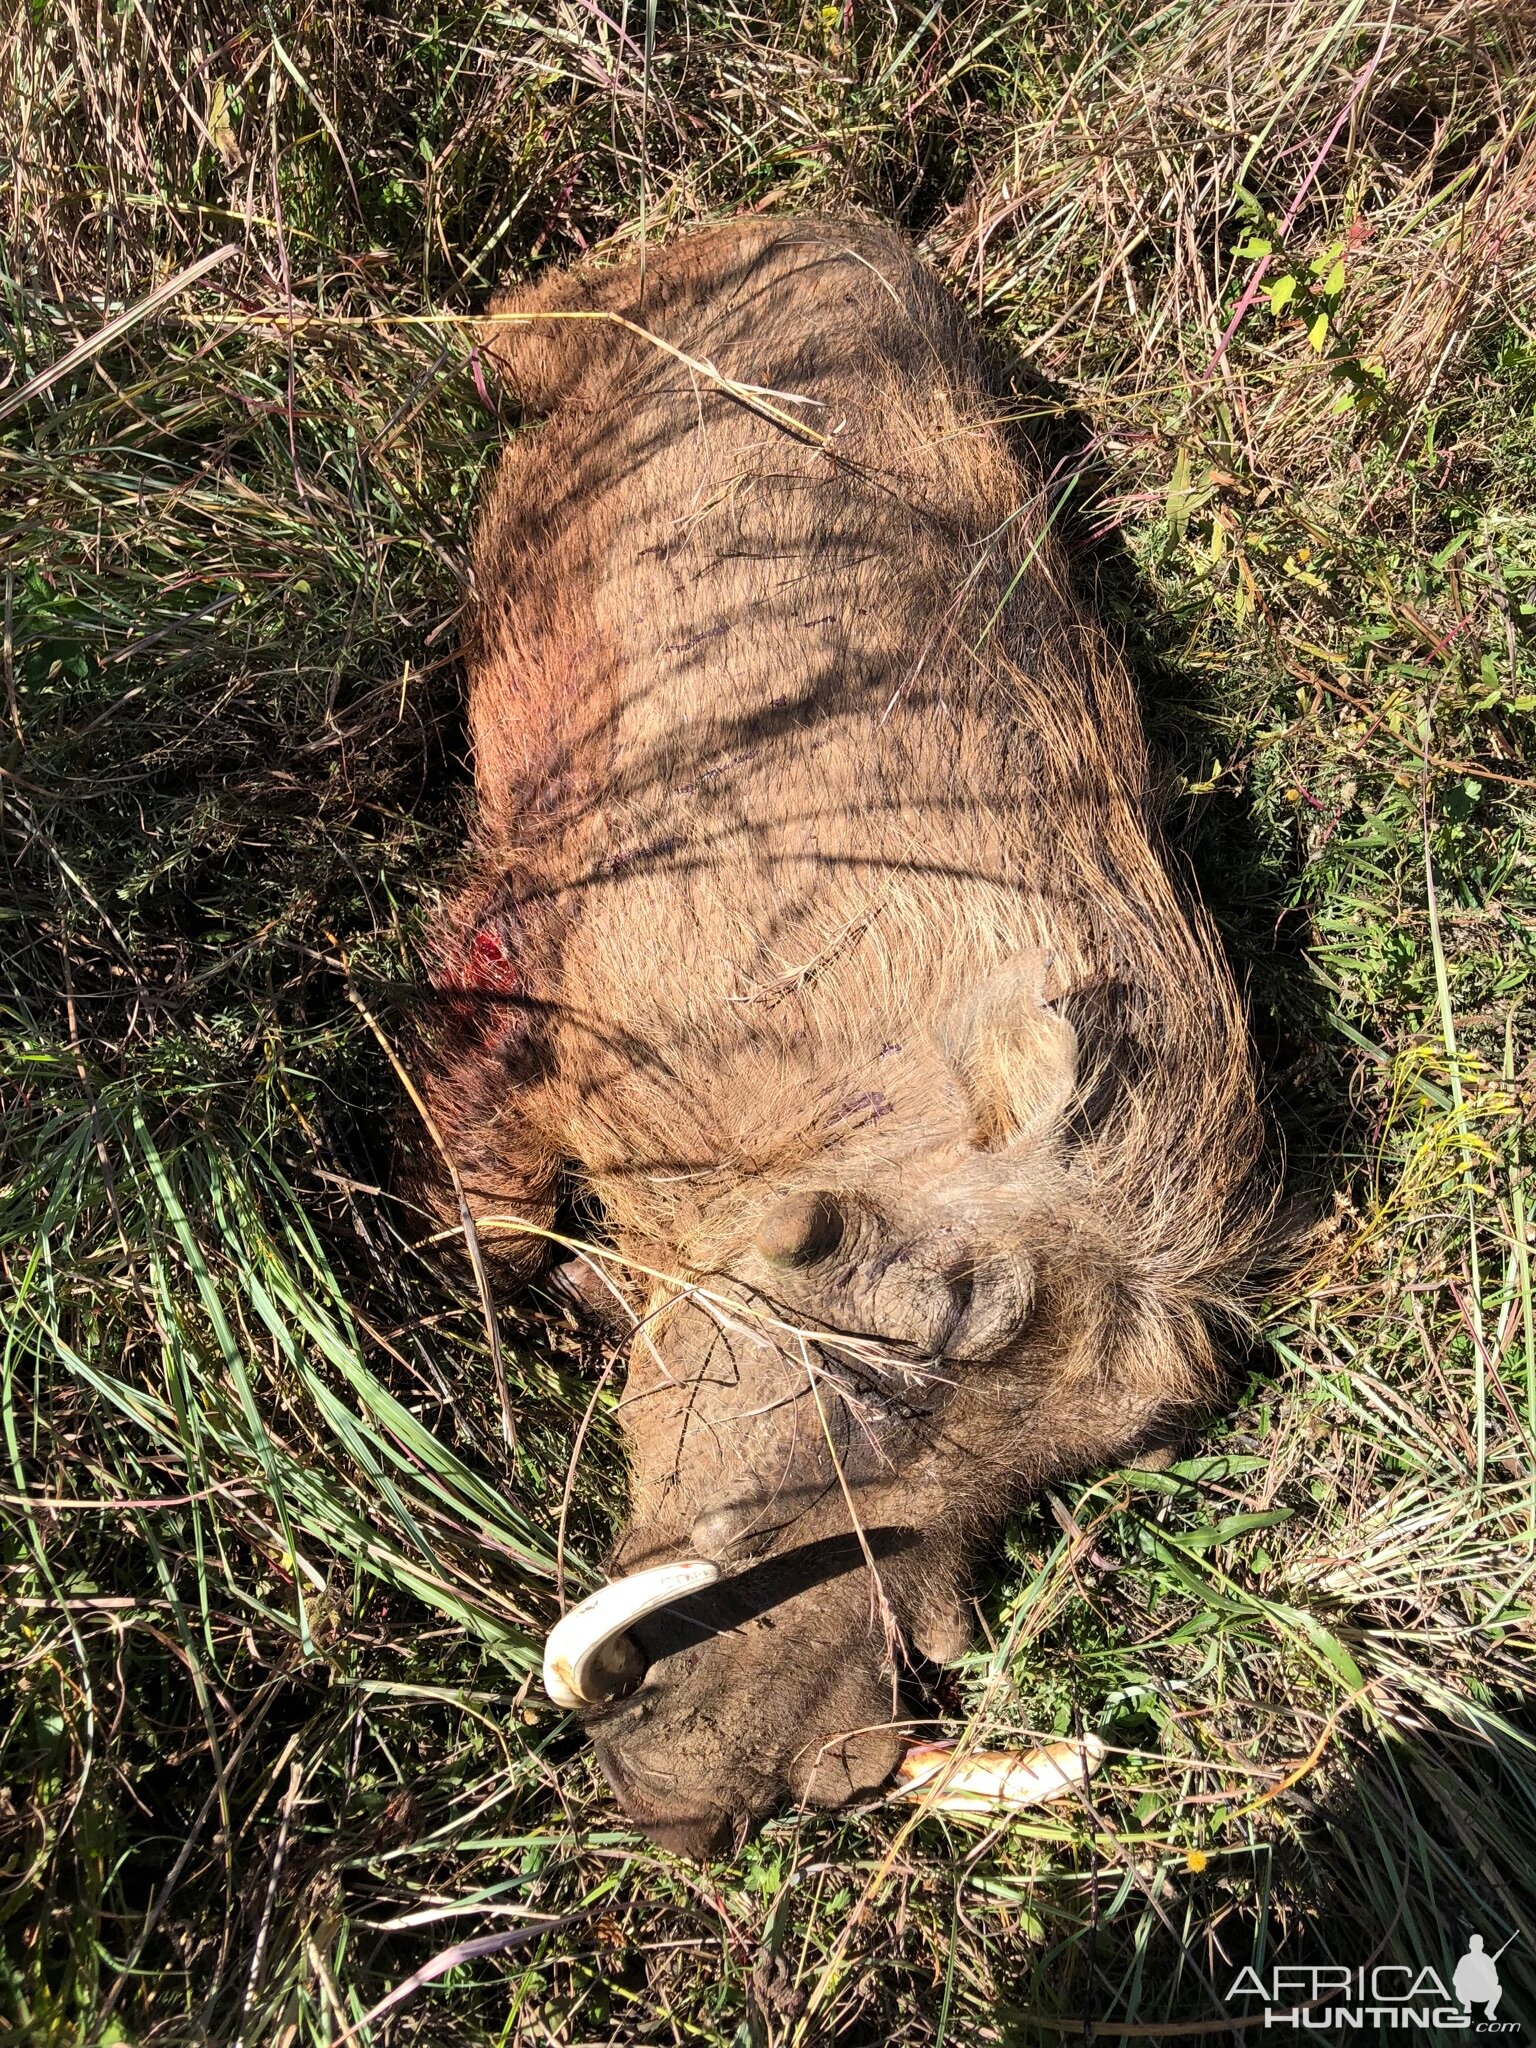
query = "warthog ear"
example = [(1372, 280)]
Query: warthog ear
[(1015, 1057)]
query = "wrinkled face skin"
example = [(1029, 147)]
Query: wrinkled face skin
[(833, 1422)]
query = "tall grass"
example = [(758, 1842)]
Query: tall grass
[(274, 1563)]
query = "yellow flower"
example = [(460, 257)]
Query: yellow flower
[(1196, 1859)]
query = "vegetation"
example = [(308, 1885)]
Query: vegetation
[(274, 1561)]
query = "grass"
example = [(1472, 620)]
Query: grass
[(274, 1574)]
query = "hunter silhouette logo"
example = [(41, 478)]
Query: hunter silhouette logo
[(1477, 1978), (1333, 1999)]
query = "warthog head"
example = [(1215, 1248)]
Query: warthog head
[(824, 1424)]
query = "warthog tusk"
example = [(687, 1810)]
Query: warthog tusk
[(992, 1782), (588, 1657)]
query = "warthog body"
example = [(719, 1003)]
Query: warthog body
[(818, 929)]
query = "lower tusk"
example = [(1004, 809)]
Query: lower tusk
[(990, 1783), (586, 1656)]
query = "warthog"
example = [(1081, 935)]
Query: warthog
[(818, 932)]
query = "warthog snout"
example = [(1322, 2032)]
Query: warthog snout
[(771, 1686)]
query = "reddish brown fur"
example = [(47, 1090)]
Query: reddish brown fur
[(815, 852)]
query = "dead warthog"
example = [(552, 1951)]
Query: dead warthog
[(819, 931)]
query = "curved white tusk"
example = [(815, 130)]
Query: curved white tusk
[(991, 1783), (587, 1657)]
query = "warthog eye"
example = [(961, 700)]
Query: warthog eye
[(924, 1287), (801, 1230)]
